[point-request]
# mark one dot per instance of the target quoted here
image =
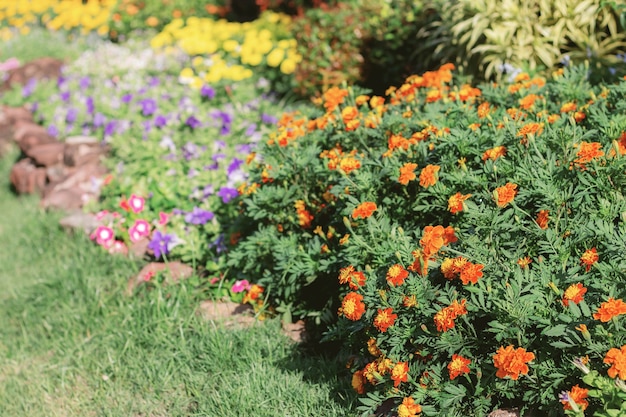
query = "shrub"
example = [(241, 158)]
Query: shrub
[(472, 239)]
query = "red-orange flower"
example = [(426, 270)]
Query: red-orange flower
[(609, 309), (505, 194), (444, 318), (408, 408), (524, 262), (542, 219), (587, 152), (400, 373), (455, 202), (574, 293), (432, 240), (428, 176), (396, 275), (358, 382), (588, 258), (576, 395), (568, 107), (512, 362), (470, 273), (304, 216), (333, 97), (352, 306), (494, 153), (384, 319), (407, 173), (458, 366), (348, 275), (364, 210), (617, 359)]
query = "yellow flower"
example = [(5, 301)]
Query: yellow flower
[(288, 66), (275, 57)]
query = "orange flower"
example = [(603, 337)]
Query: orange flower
[(471, 272), (304, 216), (524, 262), (408, 408), (349, 113), (449, 236), (458, 366), (620, 143), (364, 210), (530, 129), (428, 176), (568, 107), (358, 382), (617, 359), (409, 301), (542, 219), (348, 275), (505, 194), (528, 101), (432, 240), (574, 293), (483, 110), (444, 318), (352, 306), (333, 97), (396, 275), (372, 348), (384, 319), (349, 164), (400, 373), (609, 309), (254, 293), (512, 362), (589, 258), (494, 153), (587, 152), (406, 173), (455, 202), (576, 395)]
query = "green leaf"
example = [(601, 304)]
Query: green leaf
[(555, 331)]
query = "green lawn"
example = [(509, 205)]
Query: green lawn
[(72, 344)]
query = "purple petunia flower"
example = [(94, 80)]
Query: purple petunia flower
[(71, 116), (167, 142), (207, 92), (244, 148), (148, 106), (154, 81), (268, 118), (160, 121), (161, 243), (198, 216), (192, 122), (227, 194), (234, 165), (219, 244), (65, 96), (99, 120), (208, 190), (192, 173), (110, 127), (218, 144), (127, 98), (89, 105), (84, 83), (191, 151), (218, 157), (29, 88), (53, 131)]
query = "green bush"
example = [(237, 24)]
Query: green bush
[(471, 239)]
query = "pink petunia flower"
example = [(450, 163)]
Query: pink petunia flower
[(240, 286), (136, 203), (118, 247), (104, 236), (139, 230), (163, 218)]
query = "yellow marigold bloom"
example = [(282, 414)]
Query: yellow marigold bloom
[(524, 262), (574, 293), (458, 366), (384, 319), (352, 306), (372, 348), (288, 66)]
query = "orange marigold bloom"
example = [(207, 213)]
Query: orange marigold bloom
[(358, 382), (352, 306), (617, 359), (576, 395), (348, 275), (455, 202), (620, 143), (364, 210), (528, 101), (449, 236), (471, 272), (409, 302), (505, 194), (494, 153), (408, 408), (432, 240), (372, 348), (349, 164), (444, 318), (589, 258), (447, 268), (483, 110), (304, 216), (568, 107), (542, 219), (384, 319), (400, 373), (524, 262), (407, 173), (512, 362), (588, 151), (609, 309), (458, 366), (574, 293), (530, 128), (428, 176), (349, 113), (333, 97), (396, 275)]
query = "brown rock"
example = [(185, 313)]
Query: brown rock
[(175, 271), (27, 178), (295, 331), (504, 413), (65, 199), (41, 68), (13, 114), (226, 312), (77, 155), (78, 179), (46, 154), (138, 249), (79, 220)]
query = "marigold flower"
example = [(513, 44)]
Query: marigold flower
[(458, 366), (409, 301), (574, 293), (432, 240), (364, 210), (505, 194), (349, 164), (304, 216), (524, 262), (542, 219), (588, 258), (587, 152), (447, 268), (620, 143), (576, 395), (494, 153), (370, 372), (470, 273), (253, 293), (609, 309), (444, 318), (352, 306), (617, 359), (568, 107), (408, 408), (455, 202), (348, 275), (333, 97), (358, 382), (483, 110), (349, 113), (428, 176), (512, 362), (528, 101), (400, 373), (372, 348), (407, 173), (384, 319), (396, 275)]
